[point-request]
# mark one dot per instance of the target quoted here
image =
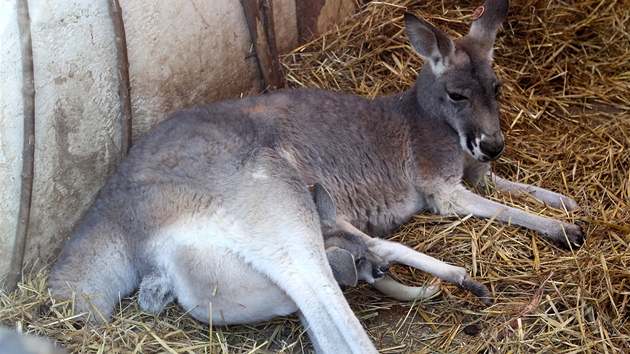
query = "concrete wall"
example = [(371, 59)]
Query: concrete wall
[(180, 54)]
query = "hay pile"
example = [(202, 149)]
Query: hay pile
[(565, 71)]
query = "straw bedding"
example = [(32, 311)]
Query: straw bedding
[(565, 71)]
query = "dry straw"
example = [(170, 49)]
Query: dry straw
[(565, 71)]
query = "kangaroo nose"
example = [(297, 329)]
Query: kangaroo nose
[(380, 271), (492, 149)]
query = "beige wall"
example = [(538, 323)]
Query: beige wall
[(11, 130)]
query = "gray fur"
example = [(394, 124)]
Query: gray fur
[(155, 292), (219, 191), (348, 256), (484, 29), (368, 266), (325, 207), (12, 342), (343, 266)]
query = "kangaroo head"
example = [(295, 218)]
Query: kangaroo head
[(351, 260), (458, 85), (348, 256)]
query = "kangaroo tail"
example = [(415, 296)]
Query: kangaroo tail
[(95, 269)]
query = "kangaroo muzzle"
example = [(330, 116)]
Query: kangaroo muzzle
[(491, 147)]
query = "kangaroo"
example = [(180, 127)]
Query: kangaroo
[(225, 184)]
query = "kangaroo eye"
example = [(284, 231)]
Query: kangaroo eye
[(456, 96), (496, 90)]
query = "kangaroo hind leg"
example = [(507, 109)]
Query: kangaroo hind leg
[(285, 243)]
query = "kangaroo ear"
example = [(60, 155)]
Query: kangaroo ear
[(429, 42), (343, 266), (325, 205), (487, 20)]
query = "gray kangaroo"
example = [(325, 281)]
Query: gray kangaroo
[(220, 191)]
